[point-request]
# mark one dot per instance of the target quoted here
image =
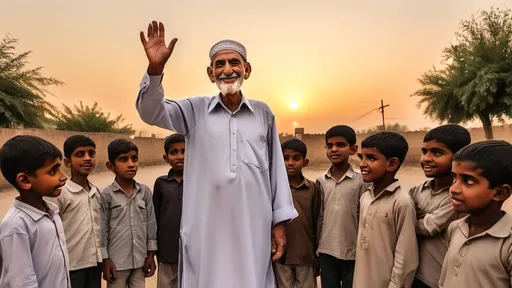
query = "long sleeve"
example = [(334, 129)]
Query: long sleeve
[(175, 115), (16, 259), (104, 223), (282, 206), (406, 258), (157, 201), (447, 239), (318, 213), (440, 219), (150, 208)]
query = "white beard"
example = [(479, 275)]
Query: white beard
[(230, 88)]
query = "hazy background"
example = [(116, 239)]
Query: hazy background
[(334, 59)]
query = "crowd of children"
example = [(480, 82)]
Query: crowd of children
[(356, 227)]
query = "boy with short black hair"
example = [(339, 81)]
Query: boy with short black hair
[(128, 238), (480, 244), (79, 208), (387, 250), (297, 266), (432, 199), (167, 199), (342, 186), (33, 250)]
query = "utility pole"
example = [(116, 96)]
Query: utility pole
[(381, 108)]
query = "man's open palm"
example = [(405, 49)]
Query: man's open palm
[(156, 50)]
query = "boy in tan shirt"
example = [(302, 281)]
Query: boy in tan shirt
[(297, 266), (432, 199), (387, 250), (480, 244)]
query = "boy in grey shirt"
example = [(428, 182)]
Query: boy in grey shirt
[(33, 250)]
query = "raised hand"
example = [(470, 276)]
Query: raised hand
[(156, 50)]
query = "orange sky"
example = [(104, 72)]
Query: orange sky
[(336, 59)]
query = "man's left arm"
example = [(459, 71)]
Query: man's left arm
[(282, 202), (406, 250), (149, 265)]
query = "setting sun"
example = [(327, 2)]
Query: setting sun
[(295, 123), (293, 105)]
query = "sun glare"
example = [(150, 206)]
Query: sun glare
[(295, 123), (294, 105)]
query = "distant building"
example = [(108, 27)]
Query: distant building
[(299, 133)]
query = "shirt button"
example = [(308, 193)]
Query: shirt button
[(457, 265), (456, 275), (365, 225), (234, 150)]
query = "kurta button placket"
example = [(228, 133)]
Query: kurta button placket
[(233, 157)]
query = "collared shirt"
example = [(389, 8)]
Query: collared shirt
[(482, 260), (435, 213), (80, 214), (235, 186), (339, 213), (302, 232), (33, 249), (387, 250), (167, 199), (128, 225)]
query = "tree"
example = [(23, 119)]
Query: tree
[(477, 79), (90, 119), (396, 127), (22, 91)]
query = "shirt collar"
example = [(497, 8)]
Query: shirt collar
[(75, 188), (116, 187), (391, 189), (35, 213), (305, 182), (429, 186), (350, 173), (501, 229), (217, 100), (170, 176)]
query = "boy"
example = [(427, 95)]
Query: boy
[(79, 208), (167, 199), (342, 187), (297, 266), (480, 250), (432, 199), (33, 250), (128, 238), (387, 250)]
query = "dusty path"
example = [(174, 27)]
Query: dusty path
[(408, 177)]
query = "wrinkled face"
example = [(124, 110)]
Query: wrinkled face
[(176, 156), (228, 71), (338, 150), (470, 190), (436, 159), (46, 181), (125, 166), (83, 160), (294, 162)]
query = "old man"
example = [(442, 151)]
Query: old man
[(236, 200)]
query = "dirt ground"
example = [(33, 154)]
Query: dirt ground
[(408, 176)]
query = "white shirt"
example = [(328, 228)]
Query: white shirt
[(235, 186)]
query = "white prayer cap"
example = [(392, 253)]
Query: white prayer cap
[(228, 45)]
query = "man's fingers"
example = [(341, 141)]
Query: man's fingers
[(279, 251), (143, 38), (150, 30), (114, 274), (161, 30), (172, 44), (155, 29)]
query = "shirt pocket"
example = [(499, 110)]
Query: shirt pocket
[(141, 207), (385, 216), (255, 151)]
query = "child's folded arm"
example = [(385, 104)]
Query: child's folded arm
[(437, 221)]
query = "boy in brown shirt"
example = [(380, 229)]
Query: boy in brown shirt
[(432, 199), (480, 244), (387, 250), (297, 266)]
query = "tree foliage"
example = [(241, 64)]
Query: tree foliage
[(90, 119), (22, 91), (476, 82)]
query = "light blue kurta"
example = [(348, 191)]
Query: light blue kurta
[(235, 187)]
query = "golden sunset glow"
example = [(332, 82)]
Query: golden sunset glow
[(322, 63)]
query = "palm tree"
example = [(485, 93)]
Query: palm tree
[(22, 91)]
